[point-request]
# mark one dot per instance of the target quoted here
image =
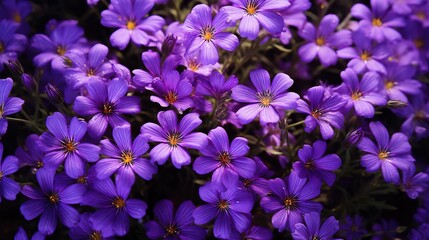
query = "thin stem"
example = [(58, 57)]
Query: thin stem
[(294, 124)]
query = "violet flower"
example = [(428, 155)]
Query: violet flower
[(312, 229), (314, 166), (32, 154), (205, 33), (231, 209), (63, 143), (365, 55), (254, 233), (8, 105), (323, 41), (254, 13), (268, 99), (353, 228), (104, 104), (399, 82), (414, 184), (125, 159), (216, 86), (174, 137), (227, 161), (129, 17), (61, 42), (8, 187), (323, 111), (113, 207), (290, 200), (389, 154), (379, 22), (16, 11), (174, 226), (84, 229), (11, 43), (51, 201), (362, 94), (417, 114)]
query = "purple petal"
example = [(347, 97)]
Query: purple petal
[(48, 221), (85, 106), (204, 165), (74, 165), (222, 227), (249, 27), (136, 208), (260, 79), (308, 52), (390, 172), (106, 167), (121, 223), (144, 168), (72, 194), (160, 153), (203, 214), (57, 125), (33, 208), (238, 147), (184, 214), (227, 41), (380, 133), (241, 93), (270, 21), (179, 157), (120, 38), (248, 113), (97, 54), (328, 24), (122, 136), (68, 215)]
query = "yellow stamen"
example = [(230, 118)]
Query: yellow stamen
[(17, 17), (365, 56), (90, 72), (356, 95), (251, 8), (419, 43), (171, 230), (224, 158), (131, 25), (320, 41), (127, 157), (383, 155), (1, 47), (107, 109), (119, 202), (54, 198), (390, 84), (69, 145), (173, 139), (96, 235), (223, 205), (377, 22), (61, 50)]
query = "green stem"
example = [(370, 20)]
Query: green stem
[(294, 124)]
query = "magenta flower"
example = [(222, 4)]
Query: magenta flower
[(323, 41), (129, 17), (113, 207), (227, 161), (312, 229), (389, 154), (174, 226), (205, 33), (174, 137), (268, 99), (104, 104), (125, 159), (323, 111), (51, 201), (290, 200), (362, 94), (63, 143), (254, 13), (231, 209), (314, 166)]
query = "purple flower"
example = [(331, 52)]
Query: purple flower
[(404, 7), (205, 33), (113, 206), (63, 143), (84, 229), (228, 161), (51, 201), (8, 105), (365, 56), (195, 67), (290, 200), (268, 99), (258, 184), (353, 228), (312, 229), (125, 159), (32, 154), (22, 235), (254, 233), (386, 229), (254, 13), (362, 95), (174, 137), (172, 89), (66, 38), (231, 209), (104, 104), (417, 114), (389, 153), (380, 22), (314, 166), (11, 43), (216, 86), (322, 110), (414, 184), (8, 187), (323, 41), (17, 11), (89, 67), (129, 17), (399, 82), (174, 226)]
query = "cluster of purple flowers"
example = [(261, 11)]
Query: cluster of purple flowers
[(265, 149)]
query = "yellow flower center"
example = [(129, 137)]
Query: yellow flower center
[(320, 41), (171, 230), (131, 25), (17, 17), (1, 47), (421, 15), (389, 84), (107, 109), (1, 175), (251, 7), (207, 33), (419, 43), (193, 65), (223, 205), (383, 155), (82, 180), (377, 22), (54, 198), (69, 145), (365, 56), (61, 50), (224, 158), (173, 139), (1, 111), (96, 235), (316, 113), (265, 98), (90, 72), (309, 165), (127, 157), (289, 202), (118, 202), (171, 97), (356, 95)]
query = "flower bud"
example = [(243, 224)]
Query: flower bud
[(54, 94), (168, 45), (396, 104), (353, 138), (28, 82)]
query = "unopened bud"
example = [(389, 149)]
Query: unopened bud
[(396, 104), (54, 94), (28, 82), (168, 45), (353, 138), (15, 68)]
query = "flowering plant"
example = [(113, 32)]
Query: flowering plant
[(214, 119)]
